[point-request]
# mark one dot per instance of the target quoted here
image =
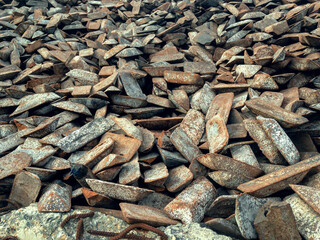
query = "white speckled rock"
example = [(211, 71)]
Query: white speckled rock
[(192, 232), (29, 224)]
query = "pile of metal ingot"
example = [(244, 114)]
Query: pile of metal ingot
[(170, 111)]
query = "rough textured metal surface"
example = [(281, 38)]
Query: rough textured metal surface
[(285, 118), (178, 179), (13, 140), (228, 179), (246, 211), (36, 100), (191, 204), (56, 198), (156, 200), (309, 194), (217, 134), (275, 220), (220, 105), (184, 144), (280, 179), (265, 144), (128, 127), (133, 213), (182, 77), (193, 125), (280, 139), (223, 206), (93, 156), (25, 189), (224, 226), (97, 200), (123, 146), (216, 161), (245, 154), (73, 107), (130, 172), (308, 221), (14, 163), (85, 134), (118, 191)]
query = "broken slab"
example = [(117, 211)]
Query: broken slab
[(221, 104), (191, 204), (97, 200), (56, 198), (285, 118), (32, 101), (133, 213), (184, 144), (25, 189), (182, 77), (275, 220), (85, 134), (247, 208), (216, 161), (308, 220), (93, 156), (280, 139), (118, 191), (309, 194), (193, 125), (13, 163), (217, 134), (265, 144), (179, 178), (73, 107), (280, 179), (156, 175)]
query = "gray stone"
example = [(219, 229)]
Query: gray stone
[(28, 223), (192, 231)]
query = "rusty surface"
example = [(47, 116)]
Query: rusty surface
[(97, 200), (133, 213), (182, 77), (280, 179), (184, 144), (178, 179), (217, 134), (191, 204), (118, 191), (309, 194), (275, 220), (123, 146), (140, 91), (221, 104), (265, 144), (247, 208), (85, 134), (193, 125), (307, 219), (56, 198), (280, 139), (157, 175), (25, 189), (14, 163), (285, 118), (216, 161)]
